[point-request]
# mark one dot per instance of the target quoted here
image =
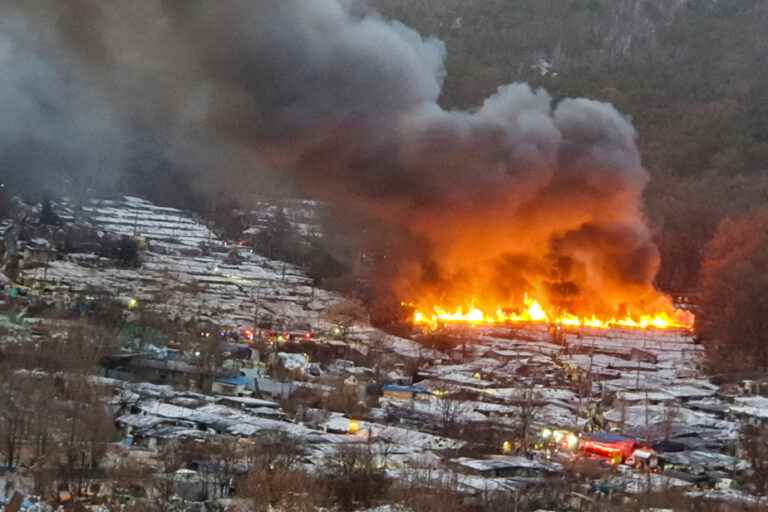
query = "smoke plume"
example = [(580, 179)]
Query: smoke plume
[(522, 194)]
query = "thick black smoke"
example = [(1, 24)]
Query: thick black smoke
[(346, 104)]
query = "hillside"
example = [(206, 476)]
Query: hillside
[(684, 70), (185, 267)]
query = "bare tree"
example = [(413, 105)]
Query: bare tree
[(87, 429), (275, 478), (754, 442), (14, 416), (423, 490), (449, 407), (528, 403), (733, 317), (273, 451), (53, 418), (345, 314), (355, 479)]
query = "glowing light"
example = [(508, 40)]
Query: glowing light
[(354, 427), (572, 441), (546, 433), (506, 447), (133, 303), (535, 312)]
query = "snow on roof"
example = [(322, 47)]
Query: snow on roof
[(639, 483), (465, 379), (644, 381), (172, 432), (517, 354), (462, 410), (337, 423), (166, 410), (152, 390), (681, 419), (481, 364), (707, 460), (465, 482), (140, 421), (545, 393), (755, 406), (557, 416), (709, 404), (388, 508), (276, 388), (689, 391), (203, 286), (728, 496), (411, 438), (500, 462), (248, 401), (403, 346), (492, 408), (293, 361), (639, 396), (585, 361)]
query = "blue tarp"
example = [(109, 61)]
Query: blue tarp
[(394, 388), (237, 380), (605, 437)]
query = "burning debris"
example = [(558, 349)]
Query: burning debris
[(534, 313)]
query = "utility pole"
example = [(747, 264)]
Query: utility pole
[(45, 269), (256, 327)]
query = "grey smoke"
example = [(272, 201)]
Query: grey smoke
[(335, 96)]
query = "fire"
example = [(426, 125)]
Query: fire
[(534, 312)]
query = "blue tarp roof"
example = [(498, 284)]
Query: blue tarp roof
[(403, 389), (605, 437), (237, 380)]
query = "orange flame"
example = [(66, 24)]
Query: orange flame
[(535, 313)]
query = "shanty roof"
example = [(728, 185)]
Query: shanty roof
[(140, 421), (248, 401), (394, 388), (235, 380), (172, 432), (501, 462), (709, 460), (756, 406), (606, 437)]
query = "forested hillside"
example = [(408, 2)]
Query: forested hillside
[(690, 73)]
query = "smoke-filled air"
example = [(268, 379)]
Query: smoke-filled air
[(526, 205)]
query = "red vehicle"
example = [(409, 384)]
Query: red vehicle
[(300, 332), (612, 446)]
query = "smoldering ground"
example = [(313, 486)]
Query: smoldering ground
[(345, 104)]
